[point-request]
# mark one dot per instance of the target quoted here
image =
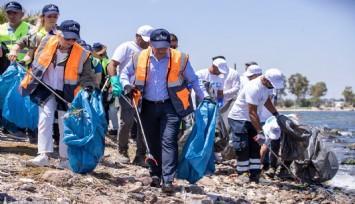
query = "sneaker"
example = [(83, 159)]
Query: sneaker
[(122, 157), (140, 161), (63, 164), (17, 135), (254, 178), (155, 181), (271, 172), (40, 160), (244, 177), (285, 174)]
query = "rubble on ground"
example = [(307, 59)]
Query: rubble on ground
[(112, 182)]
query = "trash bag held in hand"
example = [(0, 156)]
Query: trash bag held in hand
[(84, 132), (197, 158), (294, 138), (318, 163), (17, 109)]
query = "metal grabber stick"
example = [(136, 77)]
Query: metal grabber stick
[(149, 155), (70, 106), (106, 82), (283, 164)]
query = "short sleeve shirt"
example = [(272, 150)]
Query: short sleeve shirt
[(216, 81), (254, 93), (124, 52)]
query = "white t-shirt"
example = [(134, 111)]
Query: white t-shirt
[(265, 113), (54, 76), (216, 81), (254, 93), (243, 81), (231, 85), (124, 52)]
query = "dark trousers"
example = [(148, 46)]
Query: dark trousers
[(275, 147), (246, 149), (161, 126)]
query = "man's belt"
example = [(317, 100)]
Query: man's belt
[(157, 102)]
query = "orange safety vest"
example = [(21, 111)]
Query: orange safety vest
[(42, 59), (176, 84)]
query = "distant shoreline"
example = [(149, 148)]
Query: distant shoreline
[(314, 109)]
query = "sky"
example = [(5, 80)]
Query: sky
[(315, 38)]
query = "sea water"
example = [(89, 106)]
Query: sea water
[(344, 122)]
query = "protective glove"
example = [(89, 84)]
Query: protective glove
[(89, 89), (116, 86), (22, 63), (129, 89), (210, 99), (220, 102), (260, 138)]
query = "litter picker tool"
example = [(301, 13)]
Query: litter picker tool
[(283, 164), (106, 82), (149, 155), (70, 106)]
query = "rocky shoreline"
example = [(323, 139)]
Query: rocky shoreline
[(112, 182)]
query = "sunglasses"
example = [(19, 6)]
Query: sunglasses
[(174, 46), (70, 39)]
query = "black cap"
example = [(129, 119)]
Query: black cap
[(160, 38), (70, 29), (50, 9), (13, 6)]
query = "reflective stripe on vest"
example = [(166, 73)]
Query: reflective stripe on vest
[(10, 41), (43, 57), (176, 85)]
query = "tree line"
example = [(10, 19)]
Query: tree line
[(299, 85)]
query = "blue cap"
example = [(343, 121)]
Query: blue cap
[(13, 6), (160, 38), (83, 44), (70, 29), (50, 9), (97, 46)]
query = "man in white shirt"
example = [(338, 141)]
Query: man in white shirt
[(231, 83), (251, 72), (247, 134), (215, 75), (121, 56)]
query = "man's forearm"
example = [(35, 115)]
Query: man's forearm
[(111, 68)]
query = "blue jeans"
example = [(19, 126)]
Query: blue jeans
[(161, 126)]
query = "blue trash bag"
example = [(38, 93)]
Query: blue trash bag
[(84, 133), (197, 158), (17, 109), (7, 82)]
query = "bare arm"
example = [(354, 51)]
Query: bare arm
[(268, 104), (111, 67), (254, 118)]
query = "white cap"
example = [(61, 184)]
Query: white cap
[(253, 69), (275, 77), (145, 31), (272, 129), (221, 64)]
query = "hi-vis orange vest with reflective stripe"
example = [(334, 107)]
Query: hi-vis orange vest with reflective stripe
[(43, 57), (176, 84)]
